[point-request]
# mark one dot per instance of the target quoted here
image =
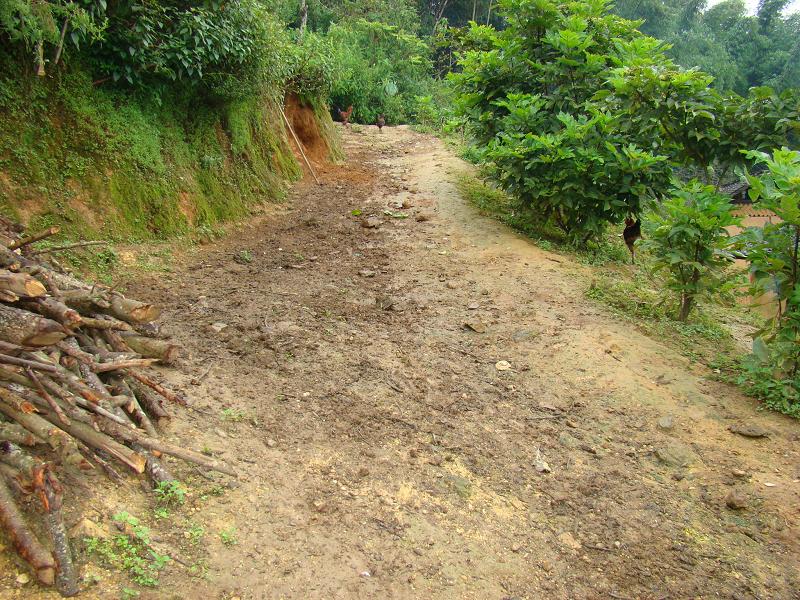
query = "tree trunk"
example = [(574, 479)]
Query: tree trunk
[(687, 303), (303, 16), (27, 329)]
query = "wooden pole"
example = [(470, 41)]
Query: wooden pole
[(300, 146)]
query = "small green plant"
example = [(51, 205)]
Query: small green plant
[(690, 244), (228, 536), (170, 494), (195, 533), (130, 551), (243, 257), (161, 512), (129, 594), (233, 415)]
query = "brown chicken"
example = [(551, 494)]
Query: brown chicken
[(344, 115), (380, 122), (631, 233)]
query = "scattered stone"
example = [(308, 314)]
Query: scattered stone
[(422, 217), (566, 440), (218, 327), (521, 335), (516, 548), (473, 306), (435, 460), (736, 499), (452, 285), (367, 273), (86, 528), (363, 472), (220, 433), (676, 454), (666, 423), (569, 541), (748, 430), (365, 574), (271, 443), (475, 326), (502, 365), (539, 463), (320, 506), (23, 578), (739, 473)]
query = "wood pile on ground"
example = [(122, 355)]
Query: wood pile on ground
[(73, 394)]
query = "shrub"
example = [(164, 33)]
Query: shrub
[(774, 255), (690, 244)]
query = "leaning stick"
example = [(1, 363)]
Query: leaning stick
[(47, 397), (171, 396), (300, 146), (34, 238), (67, 247)]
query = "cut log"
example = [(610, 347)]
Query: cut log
[(85, 301), (50, 231), (24, 541), (21, 284), (100, 441), (118, 365), (16, 401), (41, 428), (169, 395), (68, 247), (47, 397), (55, 310), (16, 434), (134, 409), (155, 469), (149, 401), (106, 324), (28, 329), (9, 260), (13, 456), (163, 350), (51, 495), (132, 311), (133, 436)]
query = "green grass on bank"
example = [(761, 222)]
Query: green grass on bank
[(136, 166)]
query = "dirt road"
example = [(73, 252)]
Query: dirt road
[(385, 450)]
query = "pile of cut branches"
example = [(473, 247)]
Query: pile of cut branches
[(73, 394)]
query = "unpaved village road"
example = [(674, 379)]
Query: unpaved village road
[(382, 452)]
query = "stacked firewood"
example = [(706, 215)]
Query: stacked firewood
[(72, 394)]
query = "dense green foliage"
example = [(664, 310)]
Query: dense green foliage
[(774, 255), (689, 241), (740, 50)]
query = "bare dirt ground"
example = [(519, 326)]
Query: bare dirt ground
[(383, 453)]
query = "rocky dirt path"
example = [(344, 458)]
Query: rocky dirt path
[(387, 453)]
